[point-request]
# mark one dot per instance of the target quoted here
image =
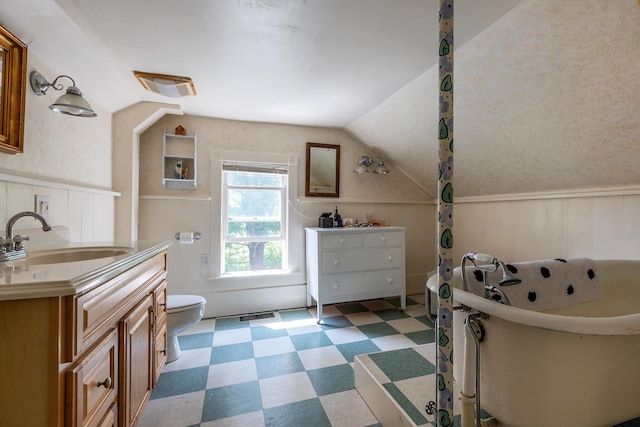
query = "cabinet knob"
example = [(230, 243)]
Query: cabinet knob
[(336, 285), (341, 240), (336, 262), (106, 383), (383, 238), (389, 280), (390, 258)]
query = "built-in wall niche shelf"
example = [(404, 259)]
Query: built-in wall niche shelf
[(180, 161)]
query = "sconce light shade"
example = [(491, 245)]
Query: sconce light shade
[(71, 103), (381, 169), (360, 169), (366, 161)]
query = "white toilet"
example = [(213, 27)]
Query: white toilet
[(183, 311)]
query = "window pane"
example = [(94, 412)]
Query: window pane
[(239, 228), (249, 203), (254, 179), (253, 256)]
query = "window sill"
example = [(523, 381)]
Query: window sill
[(267, 279)]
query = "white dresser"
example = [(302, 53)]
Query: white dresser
[(353, 264)]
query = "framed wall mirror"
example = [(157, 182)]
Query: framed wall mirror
[(13, 84), (323, 170)]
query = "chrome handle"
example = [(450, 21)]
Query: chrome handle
[(106, 383)]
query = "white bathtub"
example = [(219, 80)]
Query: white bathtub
[(577, 366)]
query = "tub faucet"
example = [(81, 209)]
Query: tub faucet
[(11, 246), (488, 264)]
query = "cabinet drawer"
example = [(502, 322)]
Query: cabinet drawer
[(99, 309), (392, 238), (160, 304), (341, 241), (360, 284), (111, 418), (92, 384), (160, 352), (360, 260)]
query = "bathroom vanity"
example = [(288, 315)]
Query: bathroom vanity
[(352, 264), (83, 342)]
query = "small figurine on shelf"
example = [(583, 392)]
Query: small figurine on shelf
[(184, 173), (180, 130)]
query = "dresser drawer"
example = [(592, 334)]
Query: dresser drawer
[(361, 260), (341, 241), (361, 284), (391, 238)]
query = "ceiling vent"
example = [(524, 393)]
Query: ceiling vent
[(165, 85)]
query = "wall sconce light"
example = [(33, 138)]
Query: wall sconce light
[(71, 102), (366, 161)]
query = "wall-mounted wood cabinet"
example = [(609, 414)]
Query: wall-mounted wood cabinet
[(180, 161)]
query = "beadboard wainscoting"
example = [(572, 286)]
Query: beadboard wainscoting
[(86, 214)]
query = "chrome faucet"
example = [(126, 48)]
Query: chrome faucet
[(489, 265), (11, 246)]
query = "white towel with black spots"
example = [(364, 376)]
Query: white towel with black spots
[(545, 284)]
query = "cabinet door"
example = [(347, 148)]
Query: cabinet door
[(92, 384), (136, 335)]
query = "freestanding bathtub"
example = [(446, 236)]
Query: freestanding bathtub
[(577, 366)]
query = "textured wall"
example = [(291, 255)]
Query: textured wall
[(546, 99), (217, 134), (61, 147)]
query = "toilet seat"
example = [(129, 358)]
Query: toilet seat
[(178, 303)]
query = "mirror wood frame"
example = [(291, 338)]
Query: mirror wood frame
[(307, 188), (13, 92)]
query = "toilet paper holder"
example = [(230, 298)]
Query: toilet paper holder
[(197, 235)]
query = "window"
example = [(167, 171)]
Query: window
[(254, 218)]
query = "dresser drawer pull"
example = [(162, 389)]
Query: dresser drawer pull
[(383, 238), (342, 240), (336, 262), (390, 258), (390, 280), (106, 383), (336, 285)]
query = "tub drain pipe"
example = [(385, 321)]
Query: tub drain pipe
[(470, 388)]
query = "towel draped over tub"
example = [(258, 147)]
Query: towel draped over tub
[(545, 284)]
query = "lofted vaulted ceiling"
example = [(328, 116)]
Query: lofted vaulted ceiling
[(546, 93)]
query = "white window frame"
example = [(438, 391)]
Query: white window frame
[(295, 273), (246, 167)]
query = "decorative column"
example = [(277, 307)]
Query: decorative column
[(444, 323)]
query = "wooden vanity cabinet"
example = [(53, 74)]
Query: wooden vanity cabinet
[(89, 359)]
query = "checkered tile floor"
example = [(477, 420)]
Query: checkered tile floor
[(282, 371)]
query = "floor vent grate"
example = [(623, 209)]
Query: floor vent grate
[(256, 316)]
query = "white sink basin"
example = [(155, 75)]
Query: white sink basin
[(59, 256)]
